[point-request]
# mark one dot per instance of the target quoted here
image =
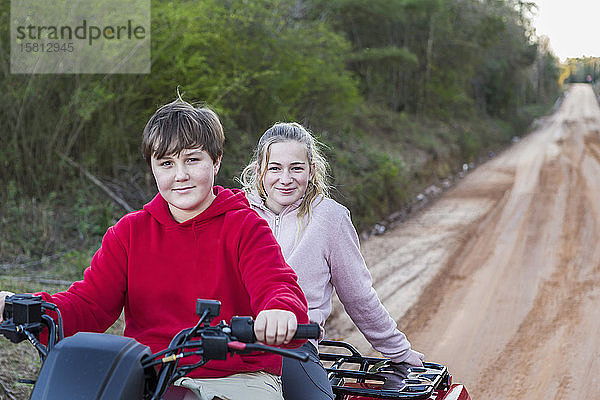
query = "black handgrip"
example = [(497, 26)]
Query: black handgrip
[(242, 328), (308, 331)]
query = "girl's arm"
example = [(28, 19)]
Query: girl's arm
[(354, 286)]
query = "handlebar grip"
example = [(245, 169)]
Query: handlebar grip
[(243, 329), (308, 331)]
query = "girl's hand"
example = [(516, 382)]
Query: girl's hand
[(275, 327), (3, 295), (414, 359), (396, 373)]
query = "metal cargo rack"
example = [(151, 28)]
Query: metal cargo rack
[(356, 375)]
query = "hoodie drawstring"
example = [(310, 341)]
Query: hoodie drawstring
[(276, 229)]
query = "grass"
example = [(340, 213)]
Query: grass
[(392, 156), (21, 361), (49, 273)]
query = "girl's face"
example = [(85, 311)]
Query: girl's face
[(287, 174), (186, 181)]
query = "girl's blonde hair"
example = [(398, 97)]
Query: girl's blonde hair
[(254, 173)]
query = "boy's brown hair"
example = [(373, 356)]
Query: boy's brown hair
[(179, 125)]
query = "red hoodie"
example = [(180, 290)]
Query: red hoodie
[(155, 268)]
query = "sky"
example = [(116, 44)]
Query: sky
[(573, 26)]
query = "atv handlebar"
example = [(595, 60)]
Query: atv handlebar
[(24, 319), (216, 343), (243, 329)]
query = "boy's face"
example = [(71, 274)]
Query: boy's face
[(185, 181)]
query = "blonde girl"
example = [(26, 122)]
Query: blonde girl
[(286, 183)]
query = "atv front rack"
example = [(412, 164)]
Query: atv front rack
[(363, 380)]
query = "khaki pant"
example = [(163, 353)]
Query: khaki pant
[(245, 386)]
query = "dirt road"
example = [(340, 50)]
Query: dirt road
[(500, 278)]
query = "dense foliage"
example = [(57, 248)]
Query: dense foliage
[(582, 70), (401, 91)]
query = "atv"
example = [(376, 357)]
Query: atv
[(108, 367)]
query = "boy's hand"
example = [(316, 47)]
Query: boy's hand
[(3, 295), (275, 327)]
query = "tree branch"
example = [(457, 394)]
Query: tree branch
[(95, 180)]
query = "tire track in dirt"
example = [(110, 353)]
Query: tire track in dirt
[(508, 300), (556, 309)]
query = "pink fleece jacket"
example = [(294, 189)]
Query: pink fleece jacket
[(325, 255)]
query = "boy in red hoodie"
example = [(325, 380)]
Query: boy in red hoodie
[(193, 240)]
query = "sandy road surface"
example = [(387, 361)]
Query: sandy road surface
[(500, 278)]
